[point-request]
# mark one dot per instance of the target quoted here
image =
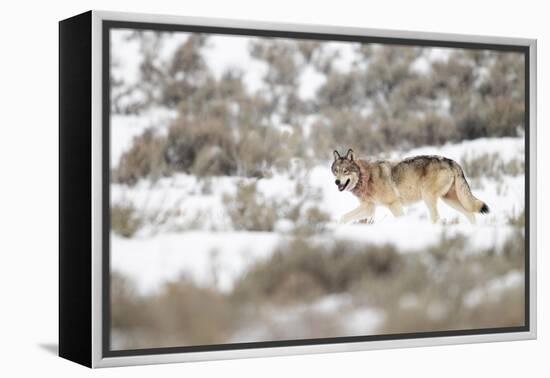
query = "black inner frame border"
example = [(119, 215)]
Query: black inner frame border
[(107, 25)]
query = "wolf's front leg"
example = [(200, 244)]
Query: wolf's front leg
[(396, 208), (365, 210)]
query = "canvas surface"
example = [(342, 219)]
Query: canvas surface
[(226, 223)]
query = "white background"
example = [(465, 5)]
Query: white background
[(29, 190)]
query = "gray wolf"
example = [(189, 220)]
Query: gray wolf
[(395, 184)]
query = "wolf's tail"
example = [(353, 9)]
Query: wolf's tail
[(465, 196)]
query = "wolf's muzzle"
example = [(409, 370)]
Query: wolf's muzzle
[(340, 185)]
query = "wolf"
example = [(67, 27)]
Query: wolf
[(395, 184)]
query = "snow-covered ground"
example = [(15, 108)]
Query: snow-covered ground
[(186, 227), (215, 253), (296, 320), (206, 257)]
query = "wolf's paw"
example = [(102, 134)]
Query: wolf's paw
[(343, 220), (369, 220)]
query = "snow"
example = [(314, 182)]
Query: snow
[(180, 194), (156, 255), (209, 259), (126, 127), (494, 289), (219, 258), (126, 56), (502, 204), (127, 53), (507, 148), (215, 255), (422, 64), (439, 53), (346, 54), (298, 321), (310, 82), (409, 301), (363, 321), (226, 52), (188, 232), (414, 237)]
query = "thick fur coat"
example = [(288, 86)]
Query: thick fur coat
[(395, 184)]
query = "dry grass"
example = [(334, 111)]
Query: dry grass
[(203, 147), (180, 314), (145, 159), (420, 291), (492, 166), (300, 270), (125, 221), (435, 298), (376, 106), (250, 210), (517, 219)]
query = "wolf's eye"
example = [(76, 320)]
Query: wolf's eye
[(345, 171)]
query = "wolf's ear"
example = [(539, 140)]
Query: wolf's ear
[(336, 155), (350, 155)]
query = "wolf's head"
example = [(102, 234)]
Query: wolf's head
[(346, 170)]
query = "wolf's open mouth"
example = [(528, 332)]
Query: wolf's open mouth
[(342, 187)]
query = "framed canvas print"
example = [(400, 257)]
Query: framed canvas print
[(236, 189)]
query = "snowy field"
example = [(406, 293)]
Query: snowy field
[(239, 257), (161, 252)]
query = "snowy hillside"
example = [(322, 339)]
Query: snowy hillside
[(161, 251), (224, 212)]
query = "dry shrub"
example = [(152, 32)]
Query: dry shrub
[(486, 165), (191, 315), (125, 220), (491, 166), (126, 311), (342, 129), (249, 210), (438, 280), (430, 129), (504, 115), (219, 143), (261, 148), (342, 90), (439, 290), (180, 314), (514, 167), (256, 151), (444, 314), (204, 147), (380, 103), (517, 219), (309, 220), (145, 159), (300, 267), (425, 290)]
